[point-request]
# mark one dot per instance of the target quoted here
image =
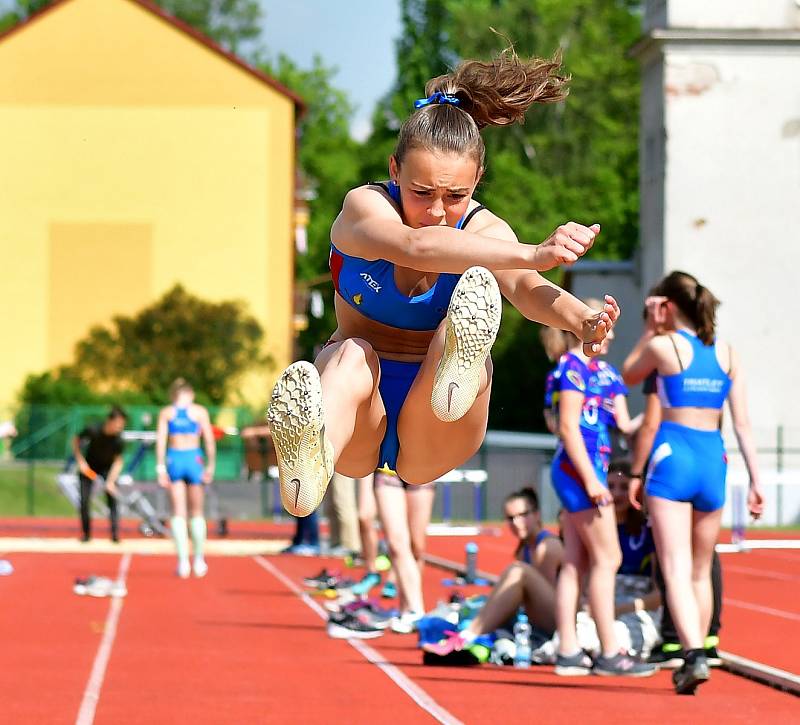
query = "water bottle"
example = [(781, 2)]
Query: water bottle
[(472, 562), (522, 640)]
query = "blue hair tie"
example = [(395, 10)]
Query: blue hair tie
[(437, 97)]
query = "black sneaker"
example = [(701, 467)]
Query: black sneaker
[(622, 665), (689, 677), (343, 625), (668, 656), (576, 665), (712, 657), (321, 580)]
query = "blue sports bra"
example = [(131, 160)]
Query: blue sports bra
[(182, 424), (369, 287), (526, 549), (704, 384)]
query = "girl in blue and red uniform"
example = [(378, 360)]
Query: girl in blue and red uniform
[(685, 480), (589, 396)]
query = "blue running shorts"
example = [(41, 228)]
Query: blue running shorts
[(185, 465)]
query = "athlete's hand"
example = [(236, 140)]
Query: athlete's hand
[(755, 501), (564, 246), (597, 325), (598, 493), (85, 469), (655, 308), (635, 492), (111, 489), (208, 475), (163, 479)]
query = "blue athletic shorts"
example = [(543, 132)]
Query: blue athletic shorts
[(568, 485), (185, 465), (688, 465), (396, 380)]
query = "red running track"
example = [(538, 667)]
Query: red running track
[(242, 646)]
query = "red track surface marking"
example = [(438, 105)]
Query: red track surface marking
[(416, 693), (762, 610), (235, 647), (92, 693), (49, 635), (762, 573)]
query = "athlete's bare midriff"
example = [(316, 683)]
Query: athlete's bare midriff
[(183, 441), (392, 343), (699, 418)]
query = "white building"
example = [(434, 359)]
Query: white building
[(720, 199)]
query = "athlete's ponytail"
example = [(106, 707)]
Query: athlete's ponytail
[(478, 94), (696, 302)]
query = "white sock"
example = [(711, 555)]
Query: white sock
[(181, 537), (197, 525)]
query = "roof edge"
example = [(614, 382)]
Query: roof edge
[(185, 28)]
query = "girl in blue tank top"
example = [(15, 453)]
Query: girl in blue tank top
[(685, 481)]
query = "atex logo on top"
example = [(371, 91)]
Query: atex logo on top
[(370, 281)]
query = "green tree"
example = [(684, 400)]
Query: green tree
[(211, 344), (329, 162)]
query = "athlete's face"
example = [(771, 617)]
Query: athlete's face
[(435, 188), (522, 519)]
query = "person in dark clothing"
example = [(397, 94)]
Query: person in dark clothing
[(98, 452)]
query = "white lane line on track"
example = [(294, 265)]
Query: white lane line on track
[(91, 694), (414, 691), (763, 573), (763, 610)]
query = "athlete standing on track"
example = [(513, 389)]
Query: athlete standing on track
[(590, 399), (180, 468), (404, 382), (685, 481)]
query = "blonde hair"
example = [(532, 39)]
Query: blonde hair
[(493, 93), (179, 385), (556, 342)]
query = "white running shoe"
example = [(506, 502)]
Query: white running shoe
[(406, 623), (297, 422), (473, 319), (184, 569), (199, 567)]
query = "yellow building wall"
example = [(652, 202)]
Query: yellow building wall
[(135, 157)]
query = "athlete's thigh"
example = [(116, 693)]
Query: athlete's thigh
[(705, 530), (672, 533), (196, 493), (177, 496), (359, 458), (597, 529), (392, 511), (430, 447)]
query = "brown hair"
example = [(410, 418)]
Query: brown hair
[(556, 342), (696, 302), (493, 93), (526, 493), (179, 385)]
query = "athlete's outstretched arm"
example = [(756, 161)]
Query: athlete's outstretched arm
[(737, 402), (370, 227), (542, 301)]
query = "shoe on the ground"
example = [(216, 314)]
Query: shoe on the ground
[(712, 657), (184, 569), (199, 567), (689, 677), (344, 625), (81, 583), (305, 455), (301, 550), (85, 538), (623, 665), (669, 656), (322, 580), (473, 319), (100, 586), (389, 590), (577, 665), (405, 623), (368, 581), (115, 538)]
